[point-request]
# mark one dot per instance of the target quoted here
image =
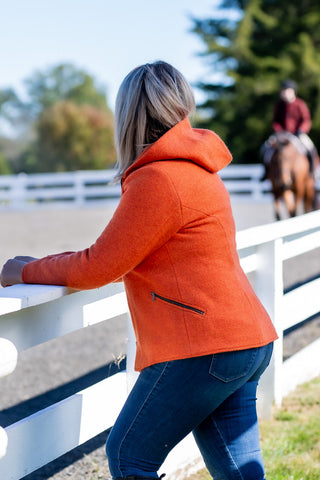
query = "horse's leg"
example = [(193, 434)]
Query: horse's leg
[(310, 199), (290, 201), (277, 208), (300, 196)]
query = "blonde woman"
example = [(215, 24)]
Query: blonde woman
[(203, 337)]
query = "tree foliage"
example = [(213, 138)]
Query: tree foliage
[(70, 123), (72, 137), (4, 165), (256, 45), (10, 104), (62, 82)]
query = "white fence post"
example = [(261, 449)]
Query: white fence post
[(8, 363), (269, 288), (132, 375), (19, 190), (79, 193), (3, 442)]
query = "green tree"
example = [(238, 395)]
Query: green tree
[(13, 132), (72, 122), (65, 124), (256, 44), (5, 168), (63, 82), (72, 137), (9, 104)]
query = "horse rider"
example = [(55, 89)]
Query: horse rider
[(291, 116)]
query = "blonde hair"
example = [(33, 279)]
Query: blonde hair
[(151, 99)]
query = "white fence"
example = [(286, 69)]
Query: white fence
[(74, 188), (31, 314), (83, 187)]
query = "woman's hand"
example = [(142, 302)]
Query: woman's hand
[(12, 269)]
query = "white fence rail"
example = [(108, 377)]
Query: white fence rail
[(85, 187), (82, 187), (31, 314), (21, 191)]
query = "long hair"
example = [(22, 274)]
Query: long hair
[(151, 99)]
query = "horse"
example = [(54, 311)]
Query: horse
[(290, 176)]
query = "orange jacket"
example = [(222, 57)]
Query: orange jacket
[(172, 240)]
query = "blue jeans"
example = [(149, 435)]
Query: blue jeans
[(213, 396)]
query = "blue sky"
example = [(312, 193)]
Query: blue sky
[(106, 38)]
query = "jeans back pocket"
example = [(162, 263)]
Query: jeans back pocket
[(229, 366)]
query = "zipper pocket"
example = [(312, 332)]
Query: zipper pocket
[(178, 304)]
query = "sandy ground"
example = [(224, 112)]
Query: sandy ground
[(52, 371), (50, 230)]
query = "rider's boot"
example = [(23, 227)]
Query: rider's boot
[(310, 160), (265, 175)]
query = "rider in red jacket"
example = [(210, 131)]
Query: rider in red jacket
[(291, 115)]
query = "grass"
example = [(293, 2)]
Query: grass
[(290, 441)]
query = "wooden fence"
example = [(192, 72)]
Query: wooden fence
[(32, 314)]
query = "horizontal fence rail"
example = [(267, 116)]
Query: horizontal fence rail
[(85, 187), (33, 314), (81, 187)]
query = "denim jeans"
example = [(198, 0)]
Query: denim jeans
[(212, 396)]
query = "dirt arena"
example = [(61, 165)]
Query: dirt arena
[(56, 369), (49, 230)]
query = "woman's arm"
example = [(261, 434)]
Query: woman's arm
[(148, 214)]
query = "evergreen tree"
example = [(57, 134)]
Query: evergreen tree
[(267, 42)]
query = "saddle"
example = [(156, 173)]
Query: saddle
[(280, 138)]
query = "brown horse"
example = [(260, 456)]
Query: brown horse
[(290, 176)]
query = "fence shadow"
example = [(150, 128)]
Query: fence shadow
[(39, 402), (56, 466), (28, 407)]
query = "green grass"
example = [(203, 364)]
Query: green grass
[(290, 441)]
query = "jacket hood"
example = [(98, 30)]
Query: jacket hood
[(203, 147)]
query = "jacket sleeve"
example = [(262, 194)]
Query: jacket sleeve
[(305, 120), (149, 213)]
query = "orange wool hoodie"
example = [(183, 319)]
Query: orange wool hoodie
[(172, 241)]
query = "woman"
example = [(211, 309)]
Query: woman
[(203, 337)]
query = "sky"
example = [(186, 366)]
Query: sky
[(105, 38)]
